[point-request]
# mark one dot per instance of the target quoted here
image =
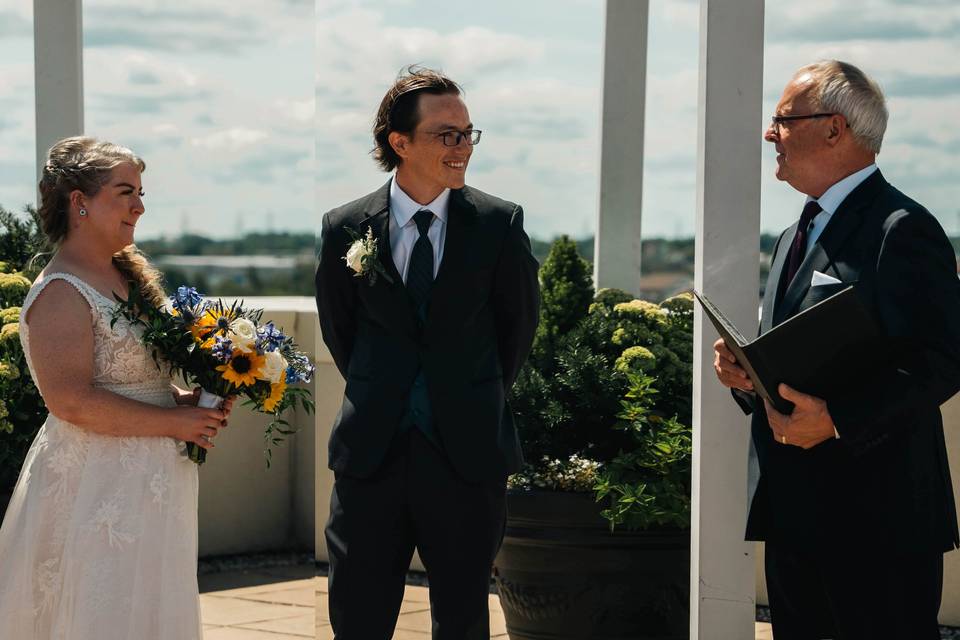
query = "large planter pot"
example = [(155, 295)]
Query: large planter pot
[(562, 574)]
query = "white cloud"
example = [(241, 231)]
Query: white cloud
[(230, 140)]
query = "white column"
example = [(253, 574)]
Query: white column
[(722, 589), (58, 71), (617, 242)]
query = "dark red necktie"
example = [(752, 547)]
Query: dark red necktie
[(799, 246)]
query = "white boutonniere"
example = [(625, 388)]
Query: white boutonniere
[(362, 257)]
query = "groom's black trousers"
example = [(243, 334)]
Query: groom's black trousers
[(856, 594), (415, 500)]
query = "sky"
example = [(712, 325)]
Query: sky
[(253, 119), (216, 96)]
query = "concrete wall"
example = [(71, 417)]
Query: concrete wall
[(950, 604), (244, 506)]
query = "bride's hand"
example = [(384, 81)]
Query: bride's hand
[(190, 398), (197, 425)]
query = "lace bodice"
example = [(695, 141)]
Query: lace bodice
[(120, 360)]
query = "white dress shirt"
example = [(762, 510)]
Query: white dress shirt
[(831, 200), (403, 229)]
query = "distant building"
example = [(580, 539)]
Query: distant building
[(237, 270), (657, 287)]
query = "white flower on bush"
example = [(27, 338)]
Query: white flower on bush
[(243, 334), (274, 366)]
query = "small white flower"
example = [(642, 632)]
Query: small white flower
[(243, 334), (274, 366)]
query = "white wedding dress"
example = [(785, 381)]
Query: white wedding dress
[(99, 541)]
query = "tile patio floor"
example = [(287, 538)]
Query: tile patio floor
[(280, 604)]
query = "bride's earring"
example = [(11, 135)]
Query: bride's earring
[(83, 212)]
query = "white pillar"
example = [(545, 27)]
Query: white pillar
[(58, 72), (722, 589), (617, 242)]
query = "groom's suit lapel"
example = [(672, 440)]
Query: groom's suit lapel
[(822, 257), (393, 294), (461, 215)]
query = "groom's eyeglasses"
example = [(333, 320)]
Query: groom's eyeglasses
[(776, 121), (453, 138)]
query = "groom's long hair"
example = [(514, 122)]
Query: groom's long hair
[(398, 109)]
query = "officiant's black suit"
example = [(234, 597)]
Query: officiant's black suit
[(439, 489), (873, 510)]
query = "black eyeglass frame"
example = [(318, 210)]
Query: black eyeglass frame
[(776, 121), (472, 136)]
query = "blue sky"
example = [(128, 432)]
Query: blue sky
[(532, 73), (217, 96), (253, 119)]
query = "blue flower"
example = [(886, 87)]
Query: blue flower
[(185, 299), (223, 349), (300, 369), (269, 338)]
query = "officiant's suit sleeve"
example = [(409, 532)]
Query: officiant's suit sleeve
[(918, 298), (516, 299), (336, 294)]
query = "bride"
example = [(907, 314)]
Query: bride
[(100, 536)]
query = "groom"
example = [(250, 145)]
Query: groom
[(429, 321)]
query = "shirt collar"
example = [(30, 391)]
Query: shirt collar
[(833, 197), (403, 206)]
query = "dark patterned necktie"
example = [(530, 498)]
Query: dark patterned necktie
[(420, 271), (799, 246)]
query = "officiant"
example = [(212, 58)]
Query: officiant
[(854, 498)]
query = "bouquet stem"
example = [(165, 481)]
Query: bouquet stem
[(208, 401)]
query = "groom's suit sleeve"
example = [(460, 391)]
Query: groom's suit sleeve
[(516, 299), (336, 295), (918, 297)]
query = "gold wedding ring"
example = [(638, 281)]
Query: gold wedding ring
[(783, 439)]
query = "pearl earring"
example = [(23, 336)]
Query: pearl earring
[(83, 212)]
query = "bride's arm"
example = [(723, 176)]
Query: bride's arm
[(61, 351)]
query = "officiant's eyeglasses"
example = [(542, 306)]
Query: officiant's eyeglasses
[(776, 121), (453, 138)]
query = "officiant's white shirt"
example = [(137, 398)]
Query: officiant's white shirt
[(403, 229), (831, 200)]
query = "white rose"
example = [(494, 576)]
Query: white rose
[(355, 255), (274, 366), (243, 334)]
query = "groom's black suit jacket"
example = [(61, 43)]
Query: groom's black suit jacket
[(885, 481), (481, 321)]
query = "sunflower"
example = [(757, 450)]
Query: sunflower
[(214, 321), (243, 368), (276, 395)]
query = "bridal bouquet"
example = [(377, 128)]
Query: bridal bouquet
[(225, 350)]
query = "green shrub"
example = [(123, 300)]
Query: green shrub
[(22, 410), (604, 404)]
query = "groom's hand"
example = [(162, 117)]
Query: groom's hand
[(808, 425)]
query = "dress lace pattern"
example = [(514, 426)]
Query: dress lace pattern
[(100, 537)]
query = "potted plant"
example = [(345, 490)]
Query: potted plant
[(597, 537), (22, 410)]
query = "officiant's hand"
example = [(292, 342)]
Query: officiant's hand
[(808, 425), (728, 371)]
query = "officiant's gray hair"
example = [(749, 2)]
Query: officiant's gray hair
[(84, 163), (840, 87), (399, 109)]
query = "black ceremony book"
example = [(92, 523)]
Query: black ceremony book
[(821, 351)]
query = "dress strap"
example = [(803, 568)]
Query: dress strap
[(88, 292)]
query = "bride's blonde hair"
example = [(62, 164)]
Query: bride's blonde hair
[(84, 163)]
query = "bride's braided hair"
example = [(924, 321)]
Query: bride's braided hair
[(84, 163)]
